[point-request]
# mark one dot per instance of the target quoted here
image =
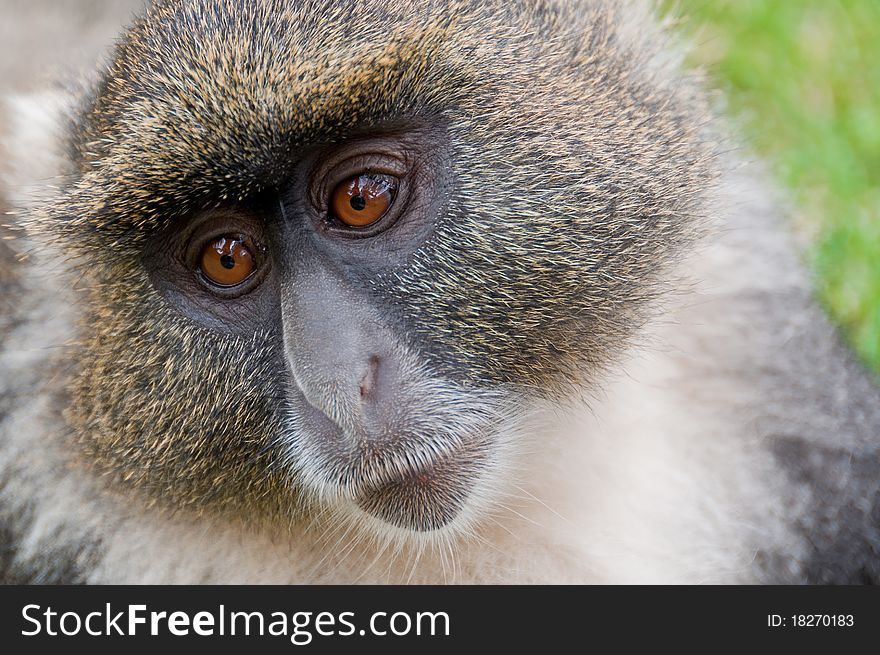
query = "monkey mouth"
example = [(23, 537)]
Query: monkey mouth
[(418, 482), (426, 498), (430, 467)]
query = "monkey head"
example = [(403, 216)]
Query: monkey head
[(333, 252)]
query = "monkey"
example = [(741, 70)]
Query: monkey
[(414, 292)]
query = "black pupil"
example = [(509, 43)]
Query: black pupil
[(227, 261), (358, 203)]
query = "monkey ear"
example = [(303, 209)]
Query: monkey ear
[(33, 146)]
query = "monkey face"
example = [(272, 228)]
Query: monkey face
[(335, 253), (365, 419)]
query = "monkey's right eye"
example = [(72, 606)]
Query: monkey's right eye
[(227, 261)]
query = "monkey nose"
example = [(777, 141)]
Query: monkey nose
[(344, 359), (380, 397), (359, 393), (369, 380)]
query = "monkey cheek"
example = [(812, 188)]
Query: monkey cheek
[(425, 500)]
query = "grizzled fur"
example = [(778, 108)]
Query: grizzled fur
[(594, 257), (206, 103)]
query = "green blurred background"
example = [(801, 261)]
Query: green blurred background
[(803, 78)]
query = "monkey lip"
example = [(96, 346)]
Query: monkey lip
[(425, 499), (414, 485), (413, 481)]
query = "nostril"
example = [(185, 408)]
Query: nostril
[(368, 382)]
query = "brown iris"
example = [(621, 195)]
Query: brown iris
[(363, 199), (227, 261)]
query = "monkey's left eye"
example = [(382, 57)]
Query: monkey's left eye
[(227, 261), (362, 200)]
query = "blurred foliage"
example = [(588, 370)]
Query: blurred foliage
[(803, 77)]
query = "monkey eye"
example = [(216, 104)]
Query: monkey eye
[(227, 261), (362, 200)]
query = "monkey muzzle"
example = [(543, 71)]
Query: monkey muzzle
[(411, 479), (375, 427), (424, 499)]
